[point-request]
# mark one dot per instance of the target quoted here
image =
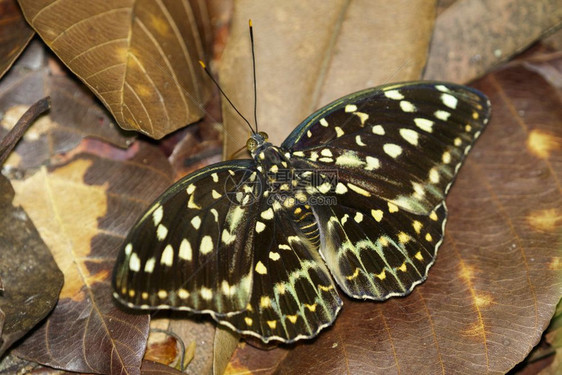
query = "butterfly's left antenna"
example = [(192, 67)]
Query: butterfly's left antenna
[(254, 69), (223, 94)]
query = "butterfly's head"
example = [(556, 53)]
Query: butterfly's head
[(257, 142)]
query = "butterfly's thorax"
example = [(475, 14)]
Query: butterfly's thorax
[(285, 189)]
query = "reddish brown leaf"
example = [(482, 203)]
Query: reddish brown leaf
[(83, 209), (138, 57), (472, 36), (310, 53), (496, 281), (15, 33), (74, 113)]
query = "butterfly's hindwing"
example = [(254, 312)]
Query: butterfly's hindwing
[(293, 295), (380, 251), (193, 248)]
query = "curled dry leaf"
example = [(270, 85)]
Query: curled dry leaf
[(496, 281), (472, 36), (32, 281), (74, 113), (15, 33), (155, 368), (83, 209), (310, 53), (138, 57)]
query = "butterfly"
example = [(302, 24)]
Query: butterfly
[(353, 199)]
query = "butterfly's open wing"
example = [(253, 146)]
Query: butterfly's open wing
[(192, 249), (293, 295), (403, 142), (396, 150)]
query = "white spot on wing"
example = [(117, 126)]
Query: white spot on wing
[(161, 232), (442, 115), (350, 108), (190, 189), (411, 136), (259, 226), (186, 252), (134, 263), (359, 141), (424, 124), (449, 100), (157, 215), (196, 222), (378, 130), (206, 245), (406, 106), (392, 150), (149, 265), (167, 258), (372, 163), (323, 122), (394, 94)]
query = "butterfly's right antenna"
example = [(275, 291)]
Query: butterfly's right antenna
[(223, 94)]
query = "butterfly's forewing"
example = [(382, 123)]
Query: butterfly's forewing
[(193, 248), (403, 143), (396, 150), (293, 295)]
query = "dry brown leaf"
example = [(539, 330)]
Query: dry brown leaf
[(310, 53), (74, 113), (15, 33), (30, 277), (138, 57), (83, 210), (472, 36)]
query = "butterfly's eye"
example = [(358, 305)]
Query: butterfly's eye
[(264, 135), (251, 144)]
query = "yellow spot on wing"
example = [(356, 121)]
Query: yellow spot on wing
[(403, 267), (377, 215), (403, 237), (392, 208), (418, 256), (248, 321), (272, 324), (265, 302), (260, 268), (312, 307), (355, 274), (292, 318), (382, 275)]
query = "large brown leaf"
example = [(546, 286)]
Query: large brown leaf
[(497, 278), (310, 53), (15, 33), (138, 57), (30, 277), (30, 280), (74, 113), (83, 209), (472, 36)]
